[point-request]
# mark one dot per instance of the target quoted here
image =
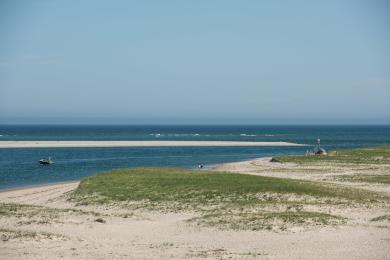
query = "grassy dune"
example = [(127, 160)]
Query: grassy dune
[(193, 187), (225, 200)]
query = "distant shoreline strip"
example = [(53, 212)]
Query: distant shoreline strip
[(97, 144)]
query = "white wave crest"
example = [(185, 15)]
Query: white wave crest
[(247, 135)]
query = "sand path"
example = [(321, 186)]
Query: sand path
[(263, 167)]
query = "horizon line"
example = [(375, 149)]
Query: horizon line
[(194, 124)]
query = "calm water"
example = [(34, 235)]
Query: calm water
[(19, 167)]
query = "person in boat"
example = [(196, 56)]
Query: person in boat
[(46, 161)]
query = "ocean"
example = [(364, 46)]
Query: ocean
[(19, 167)]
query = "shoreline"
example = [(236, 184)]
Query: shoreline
[(37, 186), (245, 166), (97, 144), (51, 184), (24, 188)]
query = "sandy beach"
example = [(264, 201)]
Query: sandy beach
[(54, 144), (69, 231)]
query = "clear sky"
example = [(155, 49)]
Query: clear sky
[(204, 61)]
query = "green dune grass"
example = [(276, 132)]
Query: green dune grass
[(224, 200), (201, 187)]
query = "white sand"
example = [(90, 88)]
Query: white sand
[(49, 144)]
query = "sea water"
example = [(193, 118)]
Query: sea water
[(19, 166)]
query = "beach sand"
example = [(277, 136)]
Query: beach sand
[(146, 234), (54, 144)]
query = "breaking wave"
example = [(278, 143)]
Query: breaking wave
[(247, 135)]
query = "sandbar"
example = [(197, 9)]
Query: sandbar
[(74, 144)]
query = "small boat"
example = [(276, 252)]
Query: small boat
[(46, 161)]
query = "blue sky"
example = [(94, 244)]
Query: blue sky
[(256, 62)]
